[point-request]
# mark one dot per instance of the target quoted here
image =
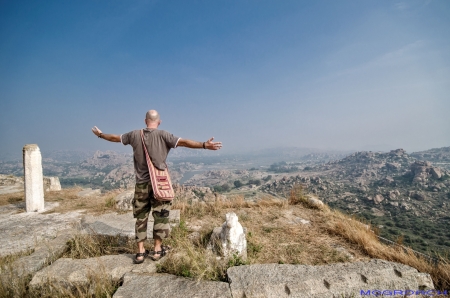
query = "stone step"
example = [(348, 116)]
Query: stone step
[(169, 286), (70, 273), (335, 280)]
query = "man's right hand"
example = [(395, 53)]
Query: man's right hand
[(210, 145)]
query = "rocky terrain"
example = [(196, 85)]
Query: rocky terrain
[(403, 195), (438, 156), (396, 192)]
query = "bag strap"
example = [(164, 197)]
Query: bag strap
[(147, 157)]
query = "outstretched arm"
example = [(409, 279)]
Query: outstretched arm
[(108, 137), (210, 145)]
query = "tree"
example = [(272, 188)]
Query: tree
[(267, 178), (237, 183)]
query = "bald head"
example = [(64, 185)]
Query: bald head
[(152, 115), (152, 119)]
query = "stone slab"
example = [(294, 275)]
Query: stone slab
[(113, 224), (43, 254), (23, 231), (165, 286), (70, 273), (336, 280)]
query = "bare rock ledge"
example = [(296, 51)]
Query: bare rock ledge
[(170, 286), (336, 280), (70, 273)]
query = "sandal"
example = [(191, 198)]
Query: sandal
[(157, 255), (141, 254)]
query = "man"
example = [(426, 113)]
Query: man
[(159, 143)]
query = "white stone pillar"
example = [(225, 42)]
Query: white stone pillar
[(32, 169)]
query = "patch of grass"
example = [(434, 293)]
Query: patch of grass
[(236, 260), (297, 195), (99, 285), (84, 246), (12, 285), (190, 258), (15, 199), (110, 202), (253, 249)]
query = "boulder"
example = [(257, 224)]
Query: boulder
[(52, 184), (405, 206), (123, 200), (392, 195), (419, 196), (168, 286), (436, 173), (230, 237), (335, 280), (378, 199), (313, 201)]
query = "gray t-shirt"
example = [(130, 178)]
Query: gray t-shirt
[(159, 143)]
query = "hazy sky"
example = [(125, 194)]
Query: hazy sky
[(361, 75)]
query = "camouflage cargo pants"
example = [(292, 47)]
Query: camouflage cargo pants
[(144, 202)]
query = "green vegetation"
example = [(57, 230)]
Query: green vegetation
[(282, 167), (267, 178), (256, 182), (238, 183)]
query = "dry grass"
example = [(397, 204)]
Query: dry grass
[(69, 201), (366, 241), (100, 286), (10, 284), (84, 246), (12, 198), (274, 235)]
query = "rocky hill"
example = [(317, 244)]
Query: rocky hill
[(438, 156), (396, 192)]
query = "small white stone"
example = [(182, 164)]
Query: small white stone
[(231, 236)]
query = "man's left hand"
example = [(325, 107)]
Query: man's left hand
[(96, 131)]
